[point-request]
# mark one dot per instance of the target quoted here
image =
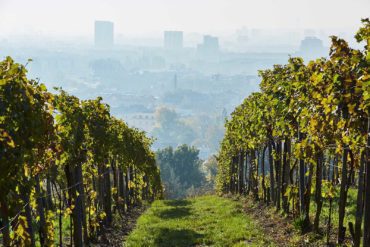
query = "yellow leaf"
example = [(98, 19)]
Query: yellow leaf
[(26, 171), (351, 108), (347, 95), (102, 215), (11, 143)]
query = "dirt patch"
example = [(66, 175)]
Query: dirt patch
[(278, 228), (122, 226), (281, 230)]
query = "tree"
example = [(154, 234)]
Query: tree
[(180, 166), (171, 129)]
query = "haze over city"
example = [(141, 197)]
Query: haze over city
[(173, 68)]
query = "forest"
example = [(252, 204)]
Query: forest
[(302, 144)]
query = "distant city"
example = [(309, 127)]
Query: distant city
[(175, 92)]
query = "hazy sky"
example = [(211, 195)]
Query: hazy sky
[(135, 17)]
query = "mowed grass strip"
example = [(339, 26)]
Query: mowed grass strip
[(203, 221)]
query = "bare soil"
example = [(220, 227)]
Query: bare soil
[(122, 226)]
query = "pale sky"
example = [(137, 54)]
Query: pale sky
[(135, 17)]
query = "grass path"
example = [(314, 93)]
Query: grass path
[(203, 221)]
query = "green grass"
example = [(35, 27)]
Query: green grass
[(350, 208), (350, 213), (203, 221)]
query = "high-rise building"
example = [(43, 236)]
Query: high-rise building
[(310, 44), (210, 42), (312, 47), (210, 46), (104, 35), (173, 40)]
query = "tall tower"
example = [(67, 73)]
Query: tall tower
[(209, 47), (173, 40), (104, 36)]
